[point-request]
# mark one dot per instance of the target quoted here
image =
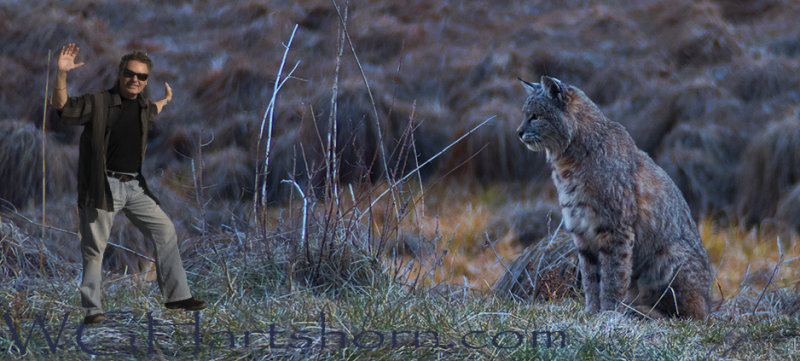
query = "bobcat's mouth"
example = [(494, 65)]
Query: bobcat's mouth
[(531, 141)]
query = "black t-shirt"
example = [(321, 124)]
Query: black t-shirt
[(124, 153)]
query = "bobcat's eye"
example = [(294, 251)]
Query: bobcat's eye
[(533, 117)]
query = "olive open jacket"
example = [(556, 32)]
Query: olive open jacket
[(97, 112)]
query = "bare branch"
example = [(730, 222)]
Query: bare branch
[(269, 116)]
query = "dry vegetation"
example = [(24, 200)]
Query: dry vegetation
[(708, 88)]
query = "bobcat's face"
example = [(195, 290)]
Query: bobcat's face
[(543, 127)]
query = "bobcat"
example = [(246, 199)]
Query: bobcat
[(637, 242)]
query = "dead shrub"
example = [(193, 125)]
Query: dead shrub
[(471, 93), (788, 46), (767, 81), (770, 165), (608, 22), (13, 71), (695, 33), (571, 67), (612, 83), (702, 159), (317, 17), (238, 131), (243, 12), (544, 271), (173, 146), (695, 102), (383, 37), (713, 44), (180, 142), (411, 242), (235, 88), (528, 223), (788, 211), (743, 10), (228, 173), (21, 164)]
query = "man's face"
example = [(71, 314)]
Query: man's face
[(130, 84)]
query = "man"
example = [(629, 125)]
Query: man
[(112, 148)]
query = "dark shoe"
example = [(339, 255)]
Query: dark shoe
[(191, 304), (92, 319)]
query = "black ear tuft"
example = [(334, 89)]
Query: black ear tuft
[(530, 87), (555, 89)]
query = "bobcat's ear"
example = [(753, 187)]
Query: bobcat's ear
[(555, 89), (530, 87)]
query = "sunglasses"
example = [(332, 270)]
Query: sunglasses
[(129, 74)]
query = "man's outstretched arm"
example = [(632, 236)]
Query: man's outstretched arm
[(66, 62), (167, 98)]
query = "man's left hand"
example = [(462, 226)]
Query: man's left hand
[(168, 92), (167, 98)]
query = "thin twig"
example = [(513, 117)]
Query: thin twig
[(416, 157), (269, 115), (427, 161), (305, 208), (197, 196), (44, 141), (382, 148), (333, 132)]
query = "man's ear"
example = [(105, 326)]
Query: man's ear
[(555, 89), (530, 87)]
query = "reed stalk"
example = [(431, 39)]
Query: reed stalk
[(44, 156)]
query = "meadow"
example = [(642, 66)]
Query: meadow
[(346, 180)]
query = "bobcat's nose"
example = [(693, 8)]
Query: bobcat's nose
[(520, 132)]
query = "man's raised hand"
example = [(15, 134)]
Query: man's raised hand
[(66, 62), (167, 92), (167, 98), (66, 58)]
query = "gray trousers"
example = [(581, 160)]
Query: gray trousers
[(147, 216)]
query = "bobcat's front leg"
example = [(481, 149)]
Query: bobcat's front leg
[(590, 280), (616, 255)]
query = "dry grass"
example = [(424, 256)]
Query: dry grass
[(359, 290)]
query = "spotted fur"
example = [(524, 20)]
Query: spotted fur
[(637, 242)]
